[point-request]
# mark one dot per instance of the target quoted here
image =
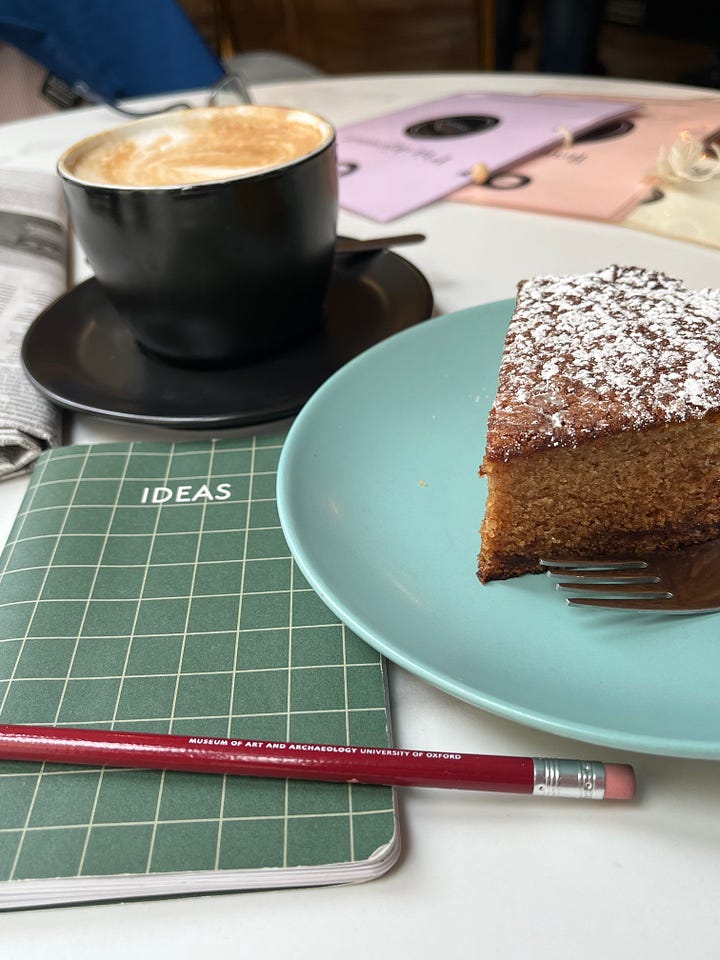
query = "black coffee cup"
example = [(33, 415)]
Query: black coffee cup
[(218, 272)]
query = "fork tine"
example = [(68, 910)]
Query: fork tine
[(656, 606), (573, 576), (681, 580), (597, 564), (653, 601), (618, 603), (606, 593), (621, 591)]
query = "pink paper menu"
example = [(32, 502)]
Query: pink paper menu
[(602, 176), (396, 163)]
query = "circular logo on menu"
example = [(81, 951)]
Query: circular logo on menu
[(507, 181), (614, 128), (445, 127)]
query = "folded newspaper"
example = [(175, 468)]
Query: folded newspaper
[(33, 273)]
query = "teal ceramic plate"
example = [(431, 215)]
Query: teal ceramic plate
[(380, 502)]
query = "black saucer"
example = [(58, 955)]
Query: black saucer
[(83, 357)]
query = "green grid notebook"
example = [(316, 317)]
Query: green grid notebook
[(149, 587)]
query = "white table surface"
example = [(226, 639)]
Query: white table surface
[(481, 875)]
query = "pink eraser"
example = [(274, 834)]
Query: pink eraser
[(619, 781)]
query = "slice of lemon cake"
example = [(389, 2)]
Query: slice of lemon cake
[(604, 437)]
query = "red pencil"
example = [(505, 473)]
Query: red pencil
[(587, 779)]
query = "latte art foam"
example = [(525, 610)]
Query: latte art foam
[(198, 146)]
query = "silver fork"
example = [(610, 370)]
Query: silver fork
[(686, 580)]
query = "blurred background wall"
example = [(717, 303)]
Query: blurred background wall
[(642, 39)]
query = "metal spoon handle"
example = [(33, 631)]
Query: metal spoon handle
[(353, 245)]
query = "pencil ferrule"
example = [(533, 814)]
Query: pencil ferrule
[(575, 779)]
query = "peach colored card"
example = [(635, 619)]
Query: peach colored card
[(602, 175)]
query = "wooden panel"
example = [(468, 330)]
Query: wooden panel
[(363, 36), (354, 36), (256, 24), (204, 15)]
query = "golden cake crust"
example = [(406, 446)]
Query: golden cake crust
[(592, 355)]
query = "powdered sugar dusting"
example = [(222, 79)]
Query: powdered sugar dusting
[(620, 349)]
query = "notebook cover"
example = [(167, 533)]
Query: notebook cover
[(393, 164), (148, 586)]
